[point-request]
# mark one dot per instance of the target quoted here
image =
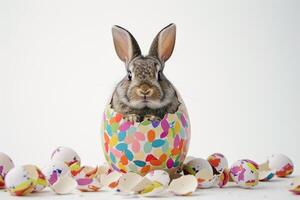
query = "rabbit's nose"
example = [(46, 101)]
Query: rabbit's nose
[(144, 91)]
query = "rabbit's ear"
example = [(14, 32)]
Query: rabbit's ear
[(163, 44), (125, 44)]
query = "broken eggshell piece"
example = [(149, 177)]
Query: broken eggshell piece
[(218, 162), (39, 178), (87, 180), (19, 181), (65, 185), (128, 181), (202, 170), (282, 165), (294, 186), (244, 173), (59, 178), (223, 178), (110, 180), (66, 155), (6, 164), (154, 189), (185, 185), (160, 176), (264, 172)]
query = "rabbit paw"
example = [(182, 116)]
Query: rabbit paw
[(132, 118), (151, 118)]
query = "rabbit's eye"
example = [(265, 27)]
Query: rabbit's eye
[(129, 76)]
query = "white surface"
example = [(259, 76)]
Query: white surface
[(274, 190), (236, 64)]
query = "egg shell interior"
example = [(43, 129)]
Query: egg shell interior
[(6, 164), (148, 145), (185, 185)]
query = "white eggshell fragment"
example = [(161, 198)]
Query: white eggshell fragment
[(6, 164), (294, 186), (244, 173), (160, 176), (19, 181), (218, 162), (281, 164), (55, 171), (65, 185), (264, 172), (110, 180), (128, 181), (140, 186), (66, 155), (185, 185)]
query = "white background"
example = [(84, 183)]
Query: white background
[(235, 63)]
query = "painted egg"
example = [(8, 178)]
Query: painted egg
[(20, 181), (282, 165), (141, 147), (202, 170), (66, 155), (218, 162), (6, 164), (244, 173)]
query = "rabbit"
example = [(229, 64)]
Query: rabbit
[(144, 93)]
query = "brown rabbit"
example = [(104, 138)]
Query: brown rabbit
[(145, 92)]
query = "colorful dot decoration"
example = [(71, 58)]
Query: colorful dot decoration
[(144, 146)]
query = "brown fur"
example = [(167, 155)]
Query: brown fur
[(148, 92)]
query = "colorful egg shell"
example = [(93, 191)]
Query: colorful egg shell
[(59, 178), (6, 164), (19, 181), (282, 165), (218, 162), (223, 178), (40, 181), (244, 173), (87, 179), (144, 146), (66, 155), (55, 171)]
